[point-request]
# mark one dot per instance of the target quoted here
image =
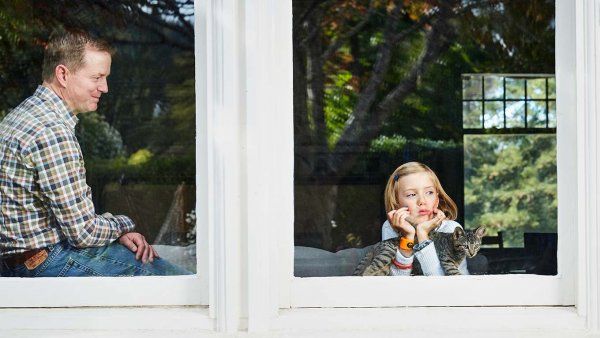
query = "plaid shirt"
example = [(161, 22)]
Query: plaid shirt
[(44, 198)]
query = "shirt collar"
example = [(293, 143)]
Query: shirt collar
[(64, 114)]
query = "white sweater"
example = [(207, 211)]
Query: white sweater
[(430, 263)]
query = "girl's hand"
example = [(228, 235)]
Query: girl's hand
[(397, 219), (423, 229)]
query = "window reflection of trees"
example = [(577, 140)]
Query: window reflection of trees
[(380, 83), (140, 145)]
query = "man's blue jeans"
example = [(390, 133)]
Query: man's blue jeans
[(110, 260)]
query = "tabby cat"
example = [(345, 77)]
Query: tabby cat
[(452, 249)]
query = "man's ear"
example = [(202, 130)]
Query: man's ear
[(61, 72)]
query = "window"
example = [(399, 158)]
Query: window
[(139, 147), (358, 115)]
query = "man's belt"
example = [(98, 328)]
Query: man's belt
[(31, 258)]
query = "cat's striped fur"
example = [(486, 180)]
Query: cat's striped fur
[(452, 249)]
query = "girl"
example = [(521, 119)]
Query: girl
[(413, 191)]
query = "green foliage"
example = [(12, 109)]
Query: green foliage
[(140, 157), (339, 101), (158, 170), (510, 184), (97, 138), (396, 143)]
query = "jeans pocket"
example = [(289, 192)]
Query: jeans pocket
[(74, 268)]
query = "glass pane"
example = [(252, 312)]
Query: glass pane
[(494, 87), (494, 115), (137, 140), (515, 88), (552, 114), (510, 188), (552, 88), (515, 114), (348, 148), (536, 114), (472, 115), (472, 89), (536, 88)]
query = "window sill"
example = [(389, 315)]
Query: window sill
[(105, 319), (546, 321)]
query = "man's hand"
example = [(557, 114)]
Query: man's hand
[(137, 243)]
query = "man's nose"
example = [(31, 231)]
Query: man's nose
[(103, 86)]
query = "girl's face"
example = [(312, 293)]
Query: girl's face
[(418, 193)]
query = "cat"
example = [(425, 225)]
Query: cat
[(452, 249)]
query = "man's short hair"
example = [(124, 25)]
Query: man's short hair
[(68, 48)]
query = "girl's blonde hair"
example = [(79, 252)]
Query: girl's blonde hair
[(446, 204)]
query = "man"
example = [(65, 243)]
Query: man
[(48, 225)]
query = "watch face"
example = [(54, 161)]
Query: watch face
[(410, 245)]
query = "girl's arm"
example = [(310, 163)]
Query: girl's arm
[(430, 263), (388, 232)]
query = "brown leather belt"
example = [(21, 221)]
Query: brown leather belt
[(21, 258)]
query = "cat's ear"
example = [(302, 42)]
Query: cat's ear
[(480, 231), (458, 233)]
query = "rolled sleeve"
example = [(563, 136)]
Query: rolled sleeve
[(58, 162)]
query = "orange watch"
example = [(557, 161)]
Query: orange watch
[(406, 244)]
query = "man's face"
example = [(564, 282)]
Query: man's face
[(85, 86)]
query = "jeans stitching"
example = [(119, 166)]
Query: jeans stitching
[(77, 265), (115, 261)]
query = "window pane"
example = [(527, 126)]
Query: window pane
[(137, 142), (510, 187), (472, 88), (494, 115), (515, 88), (494, 87), (552, 114), (472, 114), (536, 114), (515, 114), (536, 88), (347, 148), (552, 88)]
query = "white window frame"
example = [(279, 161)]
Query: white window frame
[(303, 303), (484, 290), (153, 290)]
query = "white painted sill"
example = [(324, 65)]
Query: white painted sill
[(444, 321), (107, 319)]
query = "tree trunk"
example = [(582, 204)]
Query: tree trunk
[(314, 209)]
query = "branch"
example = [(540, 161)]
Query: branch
[(368, 94), (340, 41), (363, 127), (302, 17)]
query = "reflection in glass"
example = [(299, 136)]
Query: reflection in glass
[(515, 114), (494, 87), (536, 114), (510, 187), (472, 114), (552, 88), (536, 88), (471, 87), (515, 88), (552, 114), (139, 146), (494, 115)]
